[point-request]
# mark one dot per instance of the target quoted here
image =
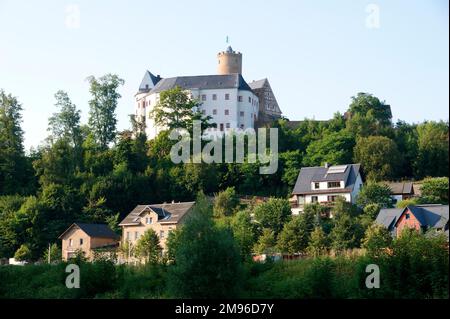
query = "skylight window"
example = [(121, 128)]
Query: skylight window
[(337, 169)]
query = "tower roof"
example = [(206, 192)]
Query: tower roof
[(148, 82)]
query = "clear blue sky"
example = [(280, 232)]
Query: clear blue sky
[(316, 54)]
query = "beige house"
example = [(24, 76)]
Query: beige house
[(88, 238), (162, 218)]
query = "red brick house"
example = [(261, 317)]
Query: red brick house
[(420, 217)]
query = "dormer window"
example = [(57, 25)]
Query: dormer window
[(316, 185), (334, 184), (148, 220)]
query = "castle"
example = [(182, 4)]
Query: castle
[(232, 103)]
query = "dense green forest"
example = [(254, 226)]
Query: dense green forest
[(91, 172)]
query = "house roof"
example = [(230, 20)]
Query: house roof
[(203, 82), (259, 84), (388, 217), (93, 230), (401, 188), (308, 175), (167, 213), (148, 82), (435, 216)]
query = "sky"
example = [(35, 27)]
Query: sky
[(316, 54)]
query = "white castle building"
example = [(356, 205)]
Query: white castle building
[(231, 102)]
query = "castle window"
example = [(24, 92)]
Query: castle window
[(227, 96), (215, 112), (241, 113), (242, 126), (203, 97), (203, 112), (227, 112), (249, 99), (228, 125), (240, 99), (221, 126), (214, 97)]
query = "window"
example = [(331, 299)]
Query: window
[(332, 198), (314, 199), (214, 97), (136, 235), (228, 125), (407, 216), (240, 99), (334, 184), (241, 113), (227, 96), (242, 126), (161, 234), (203, 112), (81, 241), (70, 242), (203, 97), (227, 112), (148, 220), (249, 99), (215, 112), (221, 126), (316, 185)]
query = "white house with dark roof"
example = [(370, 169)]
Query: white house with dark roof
[(324, 184), (226, 97)]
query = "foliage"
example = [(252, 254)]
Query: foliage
[(435, 190), (379, 156), (376, 240), (295, 236), (23, 253), (244, 232), (273, 214), (102, 118), (148, 247), (375, 193), (266, 243), (53, 254), (213, 251), (225, 202), (318, 244)]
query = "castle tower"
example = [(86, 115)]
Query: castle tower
[(229, 62)]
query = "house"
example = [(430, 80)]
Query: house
[(162, 218), (226, 97), (401, 190), (87, 238), (324, 184), (420, 217)]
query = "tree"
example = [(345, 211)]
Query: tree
[(435, 190), (295, 236), (148, 247), (379, 156), (177, 110), (23, 253), (225, 202), (244, 232), (207, 261), (102, 117), (266, 243), (334, 147), (318, 243), (368, 115), (290, 163), (273, 214), (375, 193), (433, 143), (53, 254), (65, 123), (376, 239), (13, 164), (346, 232)]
